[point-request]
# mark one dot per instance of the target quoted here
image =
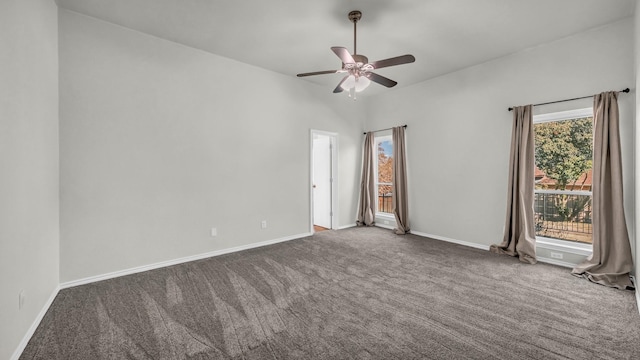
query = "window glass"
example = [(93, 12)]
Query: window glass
[(384, 176), (563, 173)]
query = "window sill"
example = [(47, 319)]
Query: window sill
[(564, 246), (386, 216)]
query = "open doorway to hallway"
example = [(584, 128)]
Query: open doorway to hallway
[(323, 175)]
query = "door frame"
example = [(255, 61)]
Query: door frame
[(334, 172)]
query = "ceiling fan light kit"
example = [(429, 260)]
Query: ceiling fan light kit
[(356, 83), (357, 67)]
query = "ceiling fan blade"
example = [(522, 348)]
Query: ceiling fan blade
[(381, 80), (398, 60), (343, 54), (339, 88), (318, 73)]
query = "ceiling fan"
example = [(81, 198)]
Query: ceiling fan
[(358, 68)]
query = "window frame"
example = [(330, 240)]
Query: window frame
[(553, 243)]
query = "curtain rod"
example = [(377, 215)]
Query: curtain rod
[(578, 98), (404, 126)]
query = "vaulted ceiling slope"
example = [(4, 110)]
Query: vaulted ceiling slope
[(294, 36)]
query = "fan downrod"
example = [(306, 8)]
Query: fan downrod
[(354, 17)]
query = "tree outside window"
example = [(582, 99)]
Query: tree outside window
[(564, 153), (385, 173)]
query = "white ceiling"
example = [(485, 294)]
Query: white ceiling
[(294, 36)]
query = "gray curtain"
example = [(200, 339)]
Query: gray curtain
[(610, 262), (519, 230), (366, 207), (399, 197)]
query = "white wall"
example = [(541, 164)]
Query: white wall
[(459, 129), (637, 133), (160, 142), (29, 234)]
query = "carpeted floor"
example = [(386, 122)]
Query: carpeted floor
[(360, 293)]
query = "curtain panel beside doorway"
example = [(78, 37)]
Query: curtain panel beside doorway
[(399, 192), (366, 206)]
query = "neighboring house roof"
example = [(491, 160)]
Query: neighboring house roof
[(585, 180)]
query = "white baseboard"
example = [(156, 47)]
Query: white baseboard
[(486, 247), (637, 291), (384, 226), (185, 259), (459, 242), (32, 329), (551, 261), (346, 226)]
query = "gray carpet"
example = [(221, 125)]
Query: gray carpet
[(349, 294)]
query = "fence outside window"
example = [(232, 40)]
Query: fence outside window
[(564, 215), (384, 203)]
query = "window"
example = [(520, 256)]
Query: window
[(384, 174), (564, 158)]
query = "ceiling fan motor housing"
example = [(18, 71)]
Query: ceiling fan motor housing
[(360, 59)]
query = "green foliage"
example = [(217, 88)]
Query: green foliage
[(564, 149)]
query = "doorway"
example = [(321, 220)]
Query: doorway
[(323, 180)]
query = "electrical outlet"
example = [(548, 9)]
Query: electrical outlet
[(263, 224), (21, 299), (555, 255), (214, 231)]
